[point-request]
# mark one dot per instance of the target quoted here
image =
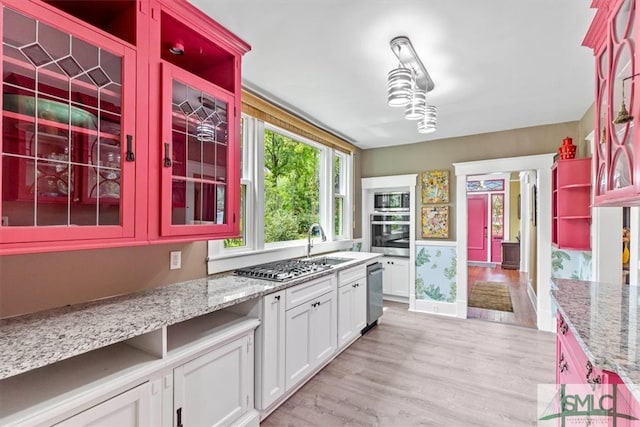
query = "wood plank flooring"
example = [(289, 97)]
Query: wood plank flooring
[(427, 370), (523, 313)]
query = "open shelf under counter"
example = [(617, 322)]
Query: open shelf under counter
[(54, 392), (203, 332), (51, 393)]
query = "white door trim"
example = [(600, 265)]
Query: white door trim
[(542, 164)]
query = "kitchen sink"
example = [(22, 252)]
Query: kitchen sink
[(325, 260)]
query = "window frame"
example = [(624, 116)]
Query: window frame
[(255, 250)]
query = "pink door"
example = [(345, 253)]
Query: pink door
[(477, 227)]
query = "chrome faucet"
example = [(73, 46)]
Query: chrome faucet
[(309, 244)]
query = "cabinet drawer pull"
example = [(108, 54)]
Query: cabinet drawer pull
[(562, 364), (130, 157), (277, 297), (167, 157)]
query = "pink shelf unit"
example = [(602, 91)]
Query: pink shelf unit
[(571, 204)]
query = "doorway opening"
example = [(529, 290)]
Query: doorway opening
[(497, 276), (535, 262)]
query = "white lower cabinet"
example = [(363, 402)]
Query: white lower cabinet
[(213, 389), (352, 305), (270, 340), (310, 336), (395, 279), (129, 409)]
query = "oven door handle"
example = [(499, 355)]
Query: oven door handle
[(390, 222)]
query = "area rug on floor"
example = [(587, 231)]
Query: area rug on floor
[(491, 296)]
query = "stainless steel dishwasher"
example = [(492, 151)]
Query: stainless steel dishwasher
[(374, 295)]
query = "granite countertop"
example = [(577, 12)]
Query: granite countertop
[(39, 339), (605, 320)]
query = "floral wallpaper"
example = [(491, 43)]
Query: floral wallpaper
[(436, 273), (566, 264)]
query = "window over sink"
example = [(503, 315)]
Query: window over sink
[(288, 182)]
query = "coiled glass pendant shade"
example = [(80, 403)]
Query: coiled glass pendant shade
[(429, 121), (399, 87), (415, 109)]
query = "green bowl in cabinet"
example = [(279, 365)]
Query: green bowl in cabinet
[(49, 110)]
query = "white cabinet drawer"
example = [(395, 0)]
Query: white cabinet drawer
[(359, 272), (312, 289)]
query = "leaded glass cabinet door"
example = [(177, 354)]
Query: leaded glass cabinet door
[(601, 146), (67, 148), (200, 178), (621, 86)]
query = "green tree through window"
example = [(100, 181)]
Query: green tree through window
[(291, 187)]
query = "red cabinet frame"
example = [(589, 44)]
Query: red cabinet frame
[(141, 31), (17, 239)]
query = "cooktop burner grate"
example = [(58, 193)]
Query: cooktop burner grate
[(282, 271)]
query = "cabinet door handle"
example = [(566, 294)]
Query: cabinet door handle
[(591, 379), (562, 364), (563, 327), (167, 157), (130, 157), (179, 417), (277, 297)]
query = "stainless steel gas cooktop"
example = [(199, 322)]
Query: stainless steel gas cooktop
[(281, 271)]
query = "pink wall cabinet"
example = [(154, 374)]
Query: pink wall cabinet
[(109, 138), (195, 149), (612, 36), (68, 129), (571, 204)]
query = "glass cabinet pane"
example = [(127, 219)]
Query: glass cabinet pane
[(62, 120), (623, 21), (621, 170), (199, 156)]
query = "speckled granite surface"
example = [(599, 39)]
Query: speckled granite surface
[(39, 339), (605, 320)]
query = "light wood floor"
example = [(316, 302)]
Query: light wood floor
[(420, 369), (523, 313)]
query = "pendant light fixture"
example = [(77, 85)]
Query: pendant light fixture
[(408, 85), (399, 86), (415, 109), (429, 121)]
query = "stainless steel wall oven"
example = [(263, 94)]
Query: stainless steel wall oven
[(390, 233), (391, 201)]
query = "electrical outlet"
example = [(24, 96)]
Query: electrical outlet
[(176, 260)]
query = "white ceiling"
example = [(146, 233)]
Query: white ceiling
[(496, 64)]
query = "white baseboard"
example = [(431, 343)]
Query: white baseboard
[(482, 264), (394, 298)]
